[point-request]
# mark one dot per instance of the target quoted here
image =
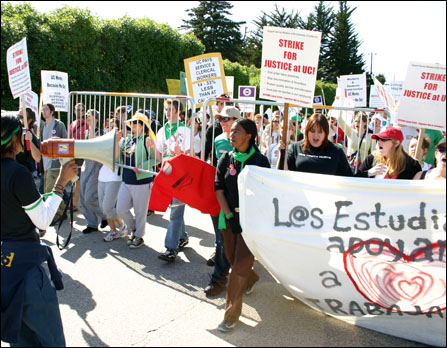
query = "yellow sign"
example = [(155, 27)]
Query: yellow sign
[(173, 86), (205, 76)]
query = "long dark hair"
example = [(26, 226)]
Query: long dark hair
[(250, 128)]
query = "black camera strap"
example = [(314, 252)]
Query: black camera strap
[(69, 205)]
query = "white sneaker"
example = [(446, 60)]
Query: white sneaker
[(122, 229), (111, 236)]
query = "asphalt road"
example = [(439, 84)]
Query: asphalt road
[(116, 296)]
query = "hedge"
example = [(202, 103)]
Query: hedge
[(122, 55)]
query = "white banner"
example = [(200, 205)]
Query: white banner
[(369, 252), (355, 87), (55, 89), (423, 102), (18, 68), (289, 65)]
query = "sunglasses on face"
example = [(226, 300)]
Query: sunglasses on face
[(441, 149), (225, 119), (382, 139), (275, 121)]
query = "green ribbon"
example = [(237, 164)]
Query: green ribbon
[(40, 200), (7, 140), (240, 157), (171, 128)]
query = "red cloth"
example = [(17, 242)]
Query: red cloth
[(191, 181)]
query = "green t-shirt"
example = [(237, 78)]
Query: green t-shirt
[(435, 138), (222, 144)]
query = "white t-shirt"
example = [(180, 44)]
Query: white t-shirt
[(273, 154), (106, 174), (167, 146)]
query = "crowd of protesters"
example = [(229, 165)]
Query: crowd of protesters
[(368, 147)]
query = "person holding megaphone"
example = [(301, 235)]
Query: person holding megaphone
[(30, 309), (136, 150)]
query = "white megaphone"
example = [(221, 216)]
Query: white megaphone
[(100, 149)]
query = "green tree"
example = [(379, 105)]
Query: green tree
[(210, 24), (322, 20), (278, 18), (342, 56)]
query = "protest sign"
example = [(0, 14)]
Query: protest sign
[(18, 68), (318, 100), (32, 102), (423, 102), (173, 86), (374, 98), (355, 87), (183, 84), (55, 89), (384, 95), (396, 89), (230, 85), (205, 77), (247, 93), (289, 65), (378, 262)]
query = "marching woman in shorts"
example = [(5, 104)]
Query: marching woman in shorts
[(242, 277), (30, 309)]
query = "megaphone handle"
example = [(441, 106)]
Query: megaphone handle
[(65, 160)]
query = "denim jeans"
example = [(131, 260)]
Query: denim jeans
[(41, 319), (221, 264), (176, 227)]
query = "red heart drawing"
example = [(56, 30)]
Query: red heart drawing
[(406, 283)]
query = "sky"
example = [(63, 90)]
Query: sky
[(393, 33)]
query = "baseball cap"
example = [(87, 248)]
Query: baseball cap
[(297, 118), (389, 133), (441, 142), (230, 111)]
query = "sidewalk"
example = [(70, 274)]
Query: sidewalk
[(116, 296)]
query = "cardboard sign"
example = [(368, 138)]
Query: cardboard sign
[(18, 68), (247, 93), (423, 102), (355, 87), (205, 76), (289, 65), (379, 262), (55, 89)]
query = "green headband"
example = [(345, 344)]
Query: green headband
[(12, 134)]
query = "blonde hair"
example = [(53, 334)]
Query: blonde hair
[(396, 162)]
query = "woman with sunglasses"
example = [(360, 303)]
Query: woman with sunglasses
[(390, 159), (437, 172)]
